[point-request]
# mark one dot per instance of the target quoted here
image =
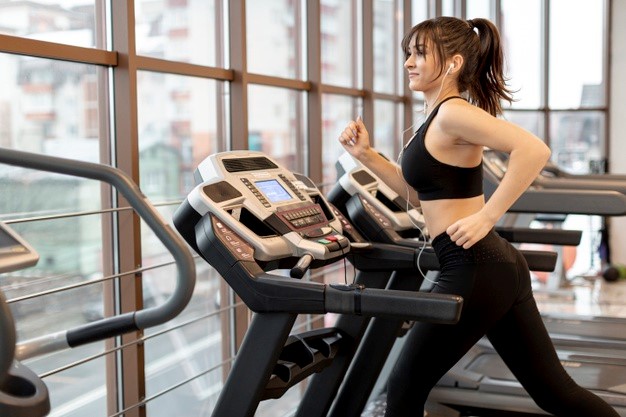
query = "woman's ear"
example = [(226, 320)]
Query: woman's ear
[(456, 63)]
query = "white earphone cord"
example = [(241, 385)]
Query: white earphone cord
[(408, 192)]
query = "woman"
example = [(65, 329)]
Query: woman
[(442, 164)]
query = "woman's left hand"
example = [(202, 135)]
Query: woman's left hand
[(469, 230)]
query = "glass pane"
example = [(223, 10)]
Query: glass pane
[(78, 391), (183, 30), (532, 121), (386, 46), (192, 352), (523, 47), (49, 106), (418, 118), (338, 42), (447, 7), (337, 111), (577, 140), (52, 108), (577, 86), (173, 140), (275, 128), (62, 21), (386, 136), (479, 8), (419, 11), (195, 398), (272, 30), (178, 128)]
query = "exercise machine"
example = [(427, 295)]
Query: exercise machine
[(359, 193), (109, 326), (22, 392), (249, 217)]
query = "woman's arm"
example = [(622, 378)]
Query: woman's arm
[(528, 155), (355, 139)]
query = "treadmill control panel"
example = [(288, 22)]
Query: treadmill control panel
[(300, 218), (376, 214), (390, 209), (265, 211), (236, 245)]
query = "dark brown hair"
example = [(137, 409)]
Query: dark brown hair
[(478, 41)]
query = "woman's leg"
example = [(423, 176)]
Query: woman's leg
[(522, 341), (488, 291)]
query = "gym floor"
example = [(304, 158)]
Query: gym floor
[(586, 297)]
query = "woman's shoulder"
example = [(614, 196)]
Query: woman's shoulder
[(459, 113), (463, 120)]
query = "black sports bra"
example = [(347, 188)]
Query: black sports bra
[(432, 179)]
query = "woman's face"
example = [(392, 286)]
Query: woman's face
[(422, 66)]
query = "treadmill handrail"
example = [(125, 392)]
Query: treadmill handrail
[(137, 320), (568, 183), (591, 202), (544, 236)]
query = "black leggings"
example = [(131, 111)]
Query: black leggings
[(493, 279)]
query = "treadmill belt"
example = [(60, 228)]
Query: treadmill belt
[(588, 374)]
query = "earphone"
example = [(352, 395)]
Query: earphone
[(417, 226)]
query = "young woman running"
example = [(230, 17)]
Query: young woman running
[(458, 65)]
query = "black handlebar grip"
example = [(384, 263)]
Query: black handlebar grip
[(405, 305), (302, 266)]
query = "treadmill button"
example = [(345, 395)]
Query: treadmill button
[(333, 246)]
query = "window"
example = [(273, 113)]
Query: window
[(272, 29), (338, 42), (387, 135), (186, 31), (275, 125), (479, 8), (583, 88), (387, 51), (337, 112), (68, 22), (522, 34)]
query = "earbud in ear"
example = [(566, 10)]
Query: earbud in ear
[(451, 67)]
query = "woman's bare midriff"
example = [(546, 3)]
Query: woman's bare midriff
[(440, 214)]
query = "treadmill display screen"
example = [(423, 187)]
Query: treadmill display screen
[(274, 192)]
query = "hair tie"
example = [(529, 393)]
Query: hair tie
[(472, 26)]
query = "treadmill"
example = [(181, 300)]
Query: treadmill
[(250, 218), (383, 216), (553, 178), (555, 201), (553, 170), (480, 382)]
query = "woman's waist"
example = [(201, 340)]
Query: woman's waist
[(440, 214), (491, 248)]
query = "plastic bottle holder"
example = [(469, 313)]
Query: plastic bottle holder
[(303, 355)]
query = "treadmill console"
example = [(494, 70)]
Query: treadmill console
[(389, 210), (270, 214)]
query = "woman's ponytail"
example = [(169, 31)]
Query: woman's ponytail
[(486, 85)]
